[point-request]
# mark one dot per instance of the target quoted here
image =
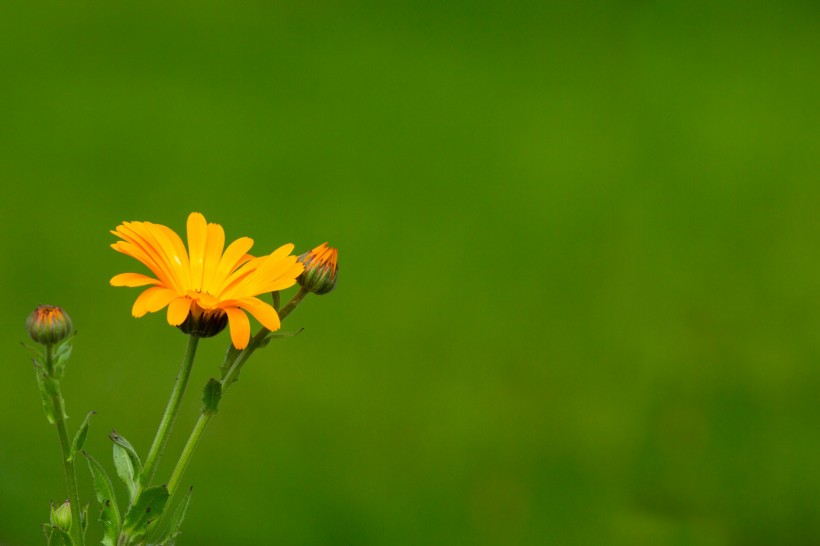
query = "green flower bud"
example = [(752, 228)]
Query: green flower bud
[(48, 325), (320, 271), (61, 516)]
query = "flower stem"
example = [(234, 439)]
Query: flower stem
[(167, 423), (205, 417), (68, 460), (190, 446), (294, 301)]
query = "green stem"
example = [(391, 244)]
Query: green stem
[(167, 423), (205, 417), (68, 460), (190, 446), (294, 301)]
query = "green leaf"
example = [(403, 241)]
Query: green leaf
[(51, 386), (148, 507), (63, 350), (274, 335), (174, 525), (79, 438), (125, 444), (35, 350), (127, 462), (211, 395), (59, 538), (47, 530), (61, 355), (48, 406), (104, 491), (125, 470), (84, 516)]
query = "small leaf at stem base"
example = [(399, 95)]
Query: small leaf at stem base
[(174, 525), (127, 462), (79, 438), (148, 507), (104, 491), (59, 538), (211, 395)]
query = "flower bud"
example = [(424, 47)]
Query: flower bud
[(61, 516), (320, 271), (48, 325)]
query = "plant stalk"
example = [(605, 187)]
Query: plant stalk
[(205, 417), (68, 461), (170, 415)]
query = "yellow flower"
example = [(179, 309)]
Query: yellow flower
[(204, 283)]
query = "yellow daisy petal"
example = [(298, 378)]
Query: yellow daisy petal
[(213, 252), (175, 252), (197, 241), (135, 251), (152, 300), (235, 252), (240, 327), (269, 274), (178, 311), (261, 311), (140, 235), (132, 280)]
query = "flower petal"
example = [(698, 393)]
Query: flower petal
[(175, 252), (197, 240), (239, 276), (263, 312), (235, 252), (132, 280), (213, 253), (240, 327), (282, 251), (143, 236), (178, 311), (137, 250), (275, 273), (151, 300), (286, 279)]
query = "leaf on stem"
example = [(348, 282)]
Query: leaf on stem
[(61, 355), (79, 438), (273, 335), (48, 405), (148, 507), (59, 538), (127, 463), (84, 516), (174, 525), (104, 491), (211, 395)]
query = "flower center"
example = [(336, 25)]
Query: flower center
[(204, 299)]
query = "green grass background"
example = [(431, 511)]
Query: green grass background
[(579, 299)]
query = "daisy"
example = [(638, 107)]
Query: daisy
[(206, 285)]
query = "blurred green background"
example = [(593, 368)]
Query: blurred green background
[(580, 290)]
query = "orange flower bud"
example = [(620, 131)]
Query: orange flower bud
[(321, 269), (48, 325)]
